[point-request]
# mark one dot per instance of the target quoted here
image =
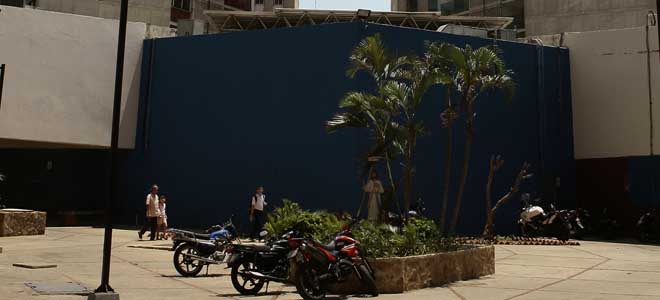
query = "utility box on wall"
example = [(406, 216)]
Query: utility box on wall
[(190, 27)]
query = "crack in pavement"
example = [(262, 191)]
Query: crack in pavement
[(560, 280)]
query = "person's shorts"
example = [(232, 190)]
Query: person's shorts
[(162, 221)]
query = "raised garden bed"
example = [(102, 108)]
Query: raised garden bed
[(400, 274), (16, 222)]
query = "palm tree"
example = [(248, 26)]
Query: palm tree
[(473, 72), (378, 111), (441, 57), (408, 93), (371, 111)]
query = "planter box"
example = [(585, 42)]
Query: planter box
[(401, 274), (15, 222)]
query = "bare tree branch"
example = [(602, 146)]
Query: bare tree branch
[(496, 164)]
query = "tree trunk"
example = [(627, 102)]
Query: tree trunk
[(489, 186), (407, 193), (408, 167), (391, 178), (445, 194), (464, 173), (489, 231)]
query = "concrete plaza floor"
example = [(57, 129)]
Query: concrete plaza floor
[(594, 270)]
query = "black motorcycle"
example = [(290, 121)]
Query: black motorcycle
[(253, 266), (193, 251), (580, 221), (648, 226), (607, 227)]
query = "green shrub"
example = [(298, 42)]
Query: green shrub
[(419, 236), (321, 225)]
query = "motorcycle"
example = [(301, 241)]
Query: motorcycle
[(319, 265), (608, 227), (2, 179), (193, 251), (578, 218), (396, 222), (648, 226), (535, 221), (253, 266)]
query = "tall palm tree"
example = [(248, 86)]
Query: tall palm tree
[(419, 76), (441, 57), (380, 108), (474, 72)]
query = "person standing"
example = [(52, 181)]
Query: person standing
[(162, 218), (257, 211), (374, 190), (152, 214)]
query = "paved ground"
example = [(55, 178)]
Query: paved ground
[(589, 272)]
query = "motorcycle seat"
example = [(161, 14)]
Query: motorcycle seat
[(202, 236), (251, 248), (261, 248), (329, 247)]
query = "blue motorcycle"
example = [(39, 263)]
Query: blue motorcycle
[(193, 251)]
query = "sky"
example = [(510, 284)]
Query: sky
[(377, 5)]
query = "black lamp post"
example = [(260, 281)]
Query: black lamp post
[(657, 12), (105, 291)]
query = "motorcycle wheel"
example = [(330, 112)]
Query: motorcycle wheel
[(186, 266), (245, 284), (368, 280), (307, 284)]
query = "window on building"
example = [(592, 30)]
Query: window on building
[(411, 5), (433, 5), (278, 2), (181, 4), (259, 2)]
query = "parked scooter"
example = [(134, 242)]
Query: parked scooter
[(318, 266), (193, 251), (648, 226), (537, 222)]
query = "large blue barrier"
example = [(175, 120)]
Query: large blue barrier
[(220, 114)]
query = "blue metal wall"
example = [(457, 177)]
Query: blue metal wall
[(221, 114)]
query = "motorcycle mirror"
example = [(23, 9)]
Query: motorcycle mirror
[(263, 233)]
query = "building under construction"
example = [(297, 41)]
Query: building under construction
[(543, 17)]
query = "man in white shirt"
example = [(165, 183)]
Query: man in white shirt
[(257, 211), (153, 212)]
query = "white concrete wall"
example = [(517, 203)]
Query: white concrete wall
[(60, 77), (156, 12), (610, 92), (556, 16)]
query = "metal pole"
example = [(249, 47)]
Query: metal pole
[(657, 11), (114, 150), (3, 67)]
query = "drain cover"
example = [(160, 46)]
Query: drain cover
[(51, 288)]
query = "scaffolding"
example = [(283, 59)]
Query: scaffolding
[(231, 21)]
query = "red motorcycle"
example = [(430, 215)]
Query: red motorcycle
[(320, 265)]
